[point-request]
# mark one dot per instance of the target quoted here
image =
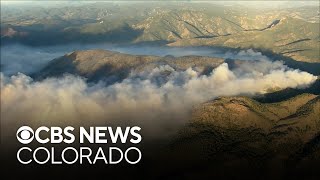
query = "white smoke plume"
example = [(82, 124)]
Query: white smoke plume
[(19, 58), (158, 100)]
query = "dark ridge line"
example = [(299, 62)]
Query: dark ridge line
[(286, 94), (206, 36), (180, 19), (275, 22), (194, 27), (293, 51), (213, 36), (205, 28), (174, 32), (301, 111), (297, 41), (192, 14), (158, 37), (283, 125), (233, 23)]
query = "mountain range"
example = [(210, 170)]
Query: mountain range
[(274, 130), (292, 32)]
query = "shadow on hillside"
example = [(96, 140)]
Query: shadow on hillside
[(288, 93), (313, 68)]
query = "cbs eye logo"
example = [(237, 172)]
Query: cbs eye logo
[(25, 134)]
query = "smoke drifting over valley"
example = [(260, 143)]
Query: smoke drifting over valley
[(25, 59), (159, 99)]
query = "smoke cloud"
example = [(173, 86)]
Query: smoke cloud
[(25, 59), (158, 100)]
